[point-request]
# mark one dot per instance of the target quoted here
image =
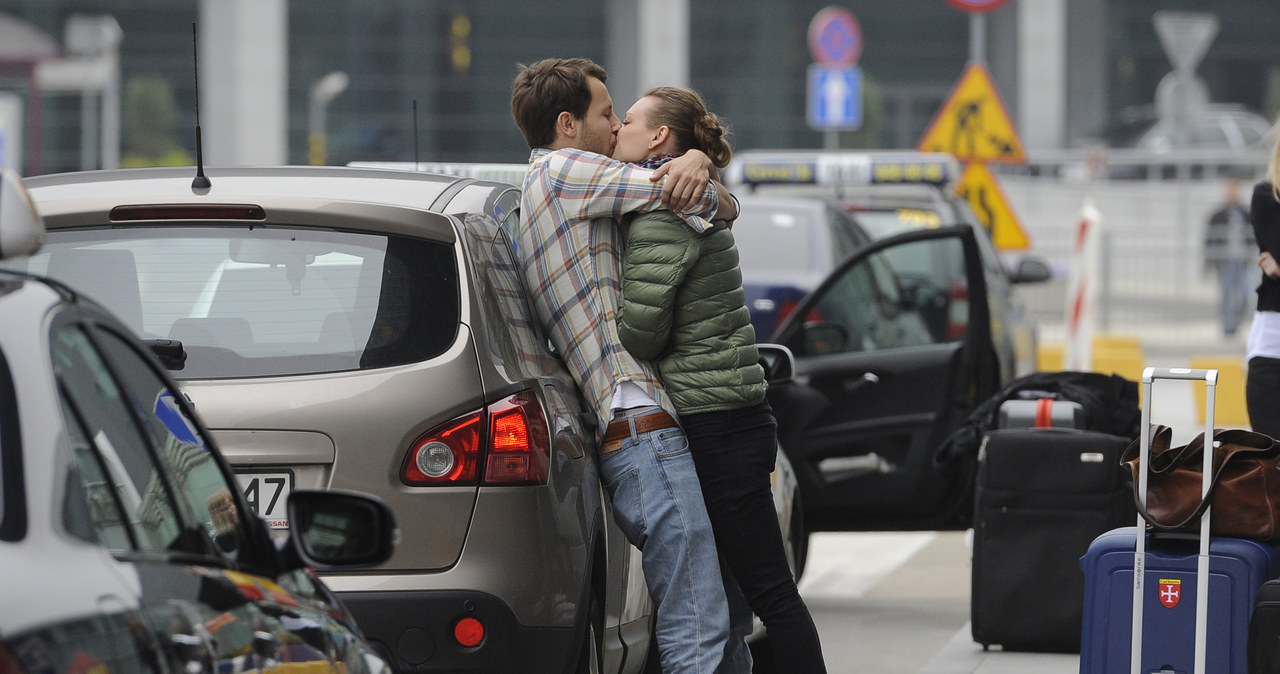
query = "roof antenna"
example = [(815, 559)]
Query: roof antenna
[(415, 134), (200, 181)]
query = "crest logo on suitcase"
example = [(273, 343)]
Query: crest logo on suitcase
[(1170, 592)]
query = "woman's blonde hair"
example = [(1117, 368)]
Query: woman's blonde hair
[(1273, 168), (683, 111)]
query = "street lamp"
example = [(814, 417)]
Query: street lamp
[(323, 90)]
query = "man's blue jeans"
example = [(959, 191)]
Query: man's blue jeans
[(657, 503), (1237, 280)]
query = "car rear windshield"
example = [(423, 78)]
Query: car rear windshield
[(267, 301)]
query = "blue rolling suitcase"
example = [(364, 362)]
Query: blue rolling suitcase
[(1187, 609), (1237, 568)]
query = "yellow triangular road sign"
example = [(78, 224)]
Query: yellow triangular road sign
[(973, 123), (979, 187)]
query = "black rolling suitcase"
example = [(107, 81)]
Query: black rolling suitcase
[(1042, 496), (1264, 630)]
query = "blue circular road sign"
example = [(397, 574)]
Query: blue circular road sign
[(835, 39)]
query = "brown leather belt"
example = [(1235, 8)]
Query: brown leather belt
[(619, 429)]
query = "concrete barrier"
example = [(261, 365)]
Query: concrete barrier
[(1230, 410), (1121, 354)]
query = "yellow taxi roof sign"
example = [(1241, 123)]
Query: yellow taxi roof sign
[(825, 167), (973, 124), (979, 187)]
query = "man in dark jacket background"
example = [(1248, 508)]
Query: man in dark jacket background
[(1230, 252)]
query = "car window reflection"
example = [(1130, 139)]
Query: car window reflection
[(195, 474), (132, 504), (909, 295)]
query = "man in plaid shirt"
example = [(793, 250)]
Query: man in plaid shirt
[(567, 244)]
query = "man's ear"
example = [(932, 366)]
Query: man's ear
[(566, 125)]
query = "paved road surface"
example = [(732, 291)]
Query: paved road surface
[(898, 603)]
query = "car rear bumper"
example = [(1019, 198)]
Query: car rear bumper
[(415, 631)]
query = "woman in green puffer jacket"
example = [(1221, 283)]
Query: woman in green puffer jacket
[(683, 308)]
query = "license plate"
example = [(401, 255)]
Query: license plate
[(267, 494)]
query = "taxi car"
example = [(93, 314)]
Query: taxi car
[(126, 544), (901, 316), (361, 329)]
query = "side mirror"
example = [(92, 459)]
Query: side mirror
[(339, 530), (1031, 270), (778, 362), (822, 338), (21, 227)]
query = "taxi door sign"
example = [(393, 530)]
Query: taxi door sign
[(978, 186), (973, 124), (1170, 592)]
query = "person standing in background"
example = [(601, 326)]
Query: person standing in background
[(1229, 250), (1262, 387)]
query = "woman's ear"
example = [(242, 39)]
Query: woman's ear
[(660, 136)]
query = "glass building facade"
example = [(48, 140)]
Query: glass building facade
[(452, 61)]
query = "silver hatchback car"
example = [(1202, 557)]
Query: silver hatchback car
[(359, 329), (125, 544)]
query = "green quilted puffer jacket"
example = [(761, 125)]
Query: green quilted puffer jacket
[(683, 308)]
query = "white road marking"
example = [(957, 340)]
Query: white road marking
[(847, 564)]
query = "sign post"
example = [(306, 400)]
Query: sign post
[(974, 126), (834, 101), (1180, 95), (977, 10)]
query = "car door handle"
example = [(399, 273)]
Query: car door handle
[(193, 653), (267, 645), (855, 384)]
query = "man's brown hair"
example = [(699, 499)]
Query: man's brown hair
[(545, 89)]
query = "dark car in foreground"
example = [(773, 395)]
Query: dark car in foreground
[(360, 329), (900, 314), (125, 542)]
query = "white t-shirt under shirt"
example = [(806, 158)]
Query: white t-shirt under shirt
[(1264, 335), (627, 394)]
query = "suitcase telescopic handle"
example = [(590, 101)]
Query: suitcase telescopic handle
[(1152, 373), (1210, 378)]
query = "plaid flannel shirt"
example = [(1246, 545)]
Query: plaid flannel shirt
[(567, 244)]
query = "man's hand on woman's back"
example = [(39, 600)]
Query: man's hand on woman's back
[(687, 178)]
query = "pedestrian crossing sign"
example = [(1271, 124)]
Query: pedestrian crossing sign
[(978, 186), (973, 124)]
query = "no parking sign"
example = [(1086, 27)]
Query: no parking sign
[(976, 5), (835, 38)]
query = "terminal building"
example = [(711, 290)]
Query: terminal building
[(430, 79)]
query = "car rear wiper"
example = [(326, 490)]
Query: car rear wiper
[(170, 353)]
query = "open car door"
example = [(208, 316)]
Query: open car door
[(893, 351)]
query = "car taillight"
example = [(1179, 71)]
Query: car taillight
[(788, 307), (508, 438), (187, 212), (958, 314), (447, 454), (8, 663), (785, 310), (519, 445)]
